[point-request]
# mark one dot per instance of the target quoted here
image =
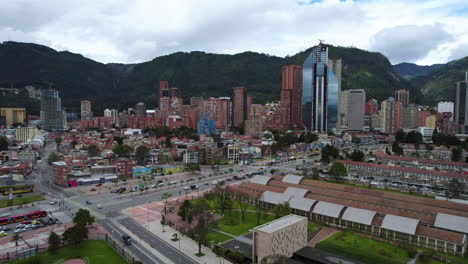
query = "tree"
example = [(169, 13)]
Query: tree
[(54, 242), (413, 137), (274, 259), (400, 136), (357, 155), (202, 217), (93, 150), (436, 137), (456, 154), (338, 171), (168, 142), (243, 200), (122, 150), (454, 188), (3, 143), (16, 238), (74, 143), (315, 174), (83, 218), (281, 209), (58, 141), (396, 149), (141, 154), (75, 234), (53, 157), (329, 152), (118, 139), (184, 210)]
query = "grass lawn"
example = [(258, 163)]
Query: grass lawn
[(21, 200), (235, 205), (230, 223), (363, 249), (95, 251), (217, 237)]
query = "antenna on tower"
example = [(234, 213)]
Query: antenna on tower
[(321, 41)]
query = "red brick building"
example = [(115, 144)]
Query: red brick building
[(143, 122), (97, 122), (240, 105), (123, 168), (60, 173), (371, 107), (218, 109)]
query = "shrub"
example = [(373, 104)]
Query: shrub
[(236, 256)]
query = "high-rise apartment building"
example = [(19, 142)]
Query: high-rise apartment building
[(219, 110), (390, 116), (292, 81), (163, 85), (114, 113), (402, 96), (52, 116), (86, 113), (240, 105), (461, 105), (140, 109), (356, 109), (410, 116), (13, 115), (372, 107), (321, 86), (253, 125)]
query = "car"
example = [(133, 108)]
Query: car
[(161, 184), (214, 182), (127, 191), (19, 195), (88, 202), (173, 182), (19, 226), (160, 181), (153, 186), (4, 228), (19, 230), (93, 189), (28, 226), (193, 187), (127, 239), (99, 206), (228, 179), (26, 222), (53, 202), (99, 185), (115, 191), (207, 183), (187, 188), (3, 233)]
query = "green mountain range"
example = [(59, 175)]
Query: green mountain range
[(411, 70), (194, 73)]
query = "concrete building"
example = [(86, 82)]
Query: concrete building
[(123, 168), (431, 121), (410, 116), (163, 85), (283, 236), (114, 114), (25, 134), (86, 113), (190, 157), (445, 107), (254, 123), (52, 116), (461, 105), (140, 109), (402, 96), (390, 116), (352, 108), (240, 105), (13, 115), (60, 173)]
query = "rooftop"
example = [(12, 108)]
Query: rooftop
[(280, 223)]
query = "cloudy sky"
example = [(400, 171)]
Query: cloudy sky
[(420, 31)]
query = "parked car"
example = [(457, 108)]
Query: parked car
[(228, 179), (187, 188), (115, 191), (99, 185), (161, 184), (173, 182), (3, 233), (193, 187), (5, 228), (19, 230), (153, 186), (214, 182), (99, 206), (207, 183)]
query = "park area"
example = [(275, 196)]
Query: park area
[(90, 251), (21, 200)]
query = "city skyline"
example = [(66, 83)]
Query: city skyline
[(274, 27)]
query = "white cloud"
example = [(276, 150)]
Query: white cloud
[(135, 31)]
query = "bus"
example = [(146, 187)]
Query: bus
[(16, 189), (19, 218)]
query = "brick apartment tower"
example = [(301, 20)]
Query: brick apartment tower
[(240, 106), (163, 85), (291, 94)]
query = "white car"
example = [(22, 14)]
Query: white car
[(99, 206), (19, 230), (161, 184), (214, 182), (153, 185), (187, 188), (173, 182), (53, 202)]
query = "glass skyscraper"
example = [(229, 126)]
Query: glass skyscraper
[(321, 85)]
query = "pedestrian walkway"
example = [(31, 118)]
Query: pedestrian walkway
[(323, 234)]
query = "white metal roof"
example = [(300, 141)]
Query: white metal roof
[(400, 224), (328, 209), (294, 179), (274, 197), (296, 192), (303, 204), (280, 223), (260, 179), (357, 215), (452, 222)]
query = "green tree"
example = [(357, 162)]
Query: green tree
[(53, 157), (119, 140), (281, 209), (3, 143), (15, 239), (338, 171), (413, 137), (400, 136), (58, 142), (93, 150), (141, 154), (75, 234), (122, 150), (456, 154), (83, 218), (454, 188), (184, 210), (274, 259), (396, 149), (168, 142), (329, 152), (357, 155), (54, 242), (202, 217), (315, 174)]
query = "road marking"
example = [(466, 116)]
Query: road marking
[(77, 204)]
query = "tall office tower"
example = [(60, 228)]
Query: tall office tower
[(343, 106), (390, 116), (140, 109), (372, 107), (292, 81), (163, 85), (356, 108), (461, 105), (321, 86), (86, 113), (402, 96), (240, 105), (410, 116), (51, 110)]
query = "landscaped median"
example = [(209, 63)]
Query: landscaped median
[(92, 251), (21, 200)]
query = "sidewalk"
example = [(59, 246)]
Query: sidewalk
[(323, 234)]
